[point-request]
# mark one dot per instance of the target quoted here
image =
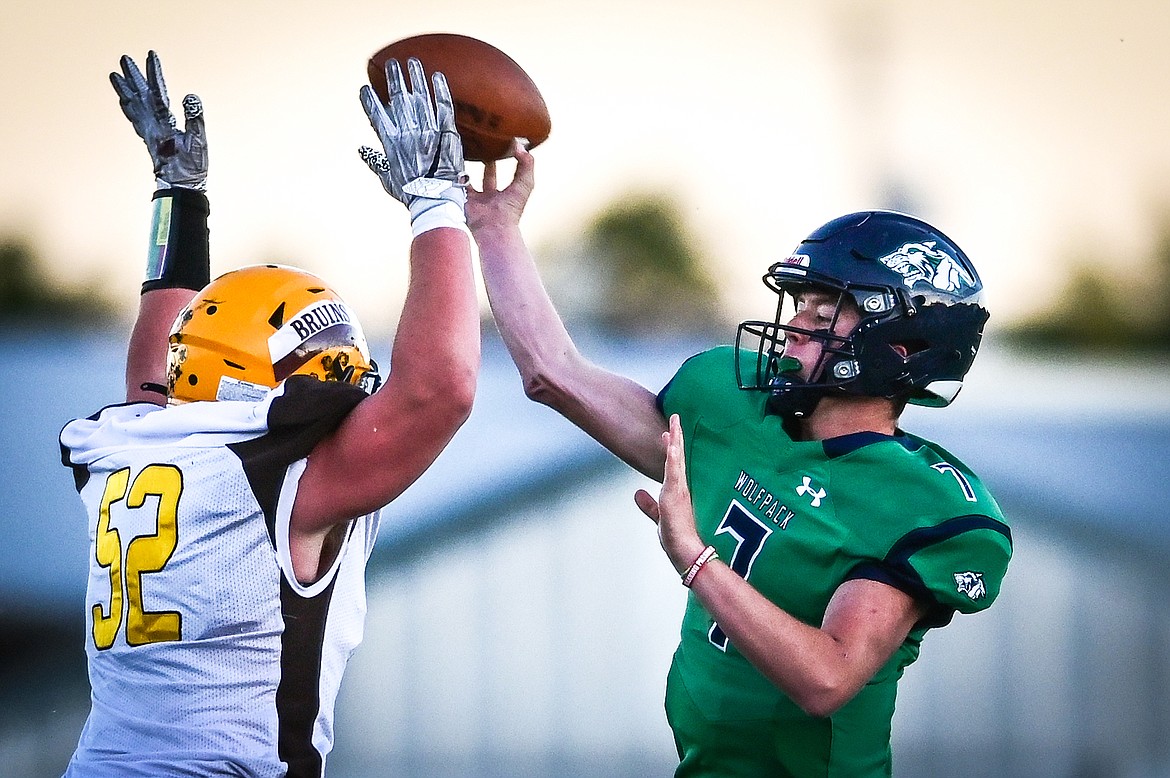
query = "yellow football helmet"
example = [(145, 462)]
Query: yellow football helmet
[(250, 329)]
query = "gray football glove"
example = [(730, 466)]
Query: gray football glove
[(423, 157), (179, 157)]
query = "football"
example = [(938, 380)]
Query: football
[(495, 100)]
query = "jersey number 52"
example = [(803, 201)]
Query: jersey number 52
[(142, 555)]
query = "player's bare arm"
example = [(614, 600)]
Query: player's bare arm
[(177, 266), (819, 668), (146, 356), (390, 438), (617, 412)]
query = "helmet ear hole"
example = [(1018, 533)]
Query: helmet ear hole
[(909, 347)]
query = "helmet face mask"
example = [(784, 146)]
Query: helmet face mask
[(795, 388), (252, 328), (918, 299)]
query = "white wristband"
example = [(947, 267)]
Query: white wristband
[(444, 211), (705, 557)]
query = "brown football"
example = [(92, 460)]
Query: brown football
[(494, 98)]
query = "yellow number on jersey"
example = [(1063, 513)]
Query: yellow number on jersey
[(108, 550), (144, 554)]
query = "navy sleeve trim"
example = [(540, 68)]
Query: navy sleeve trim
[(895, 569), (913, 542), (908, 581)]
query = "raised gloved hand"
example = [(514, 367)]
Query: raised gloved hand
[(423, 161), (179, 157)]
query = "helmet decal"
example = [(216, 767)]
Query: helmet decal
[(235, 389), (922, 262), (312, 320)]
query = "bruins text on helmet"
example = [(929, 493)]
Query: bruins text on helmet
[(919, 299), (250, 329)]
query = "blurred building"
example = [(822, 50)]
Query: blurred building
[(522, 617)]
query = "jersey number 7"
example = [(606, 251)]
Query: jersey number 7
[(750, 534)]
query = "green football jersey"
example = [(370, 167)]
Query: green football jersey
[(797, 519)]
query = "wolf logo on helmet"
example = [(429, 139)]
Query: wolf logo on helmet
[(922, 262), (236, 340)]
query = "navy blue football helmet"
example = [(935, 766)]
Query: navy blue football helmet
[(920, 302)]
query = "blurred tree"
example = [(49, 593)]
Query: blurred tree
[(27, 297), (637, 268), (1159, 288), (17, 279), (1101, 310)]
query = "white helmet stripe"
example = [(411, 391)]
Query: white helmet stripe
[(310, 321)]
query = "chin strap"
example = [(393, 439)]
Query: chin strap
[(792, 397)]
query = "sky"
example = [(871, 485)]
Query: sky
[(1031, 133)]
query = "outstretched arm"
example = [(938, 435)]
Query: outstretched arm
[(819, 667), (616, 411), (177, 263), (391, 438)]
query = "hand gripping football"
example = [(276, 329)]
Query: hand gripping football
[(495, 100)]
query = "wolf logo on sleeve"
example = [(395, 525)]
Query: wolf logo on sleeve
[(971, 584)]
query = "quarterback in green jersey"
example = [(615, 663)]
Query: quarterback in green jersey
[(820, 541)]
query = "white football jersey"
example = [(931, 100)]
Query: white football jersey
[(206, 657)]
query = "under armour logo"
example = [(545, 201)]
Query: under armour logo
[(806, 488)]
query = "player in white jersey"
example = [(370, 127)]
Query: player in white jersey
[(232, 501)]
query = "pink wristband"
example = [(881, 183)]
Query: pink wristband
[(703, 558)]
